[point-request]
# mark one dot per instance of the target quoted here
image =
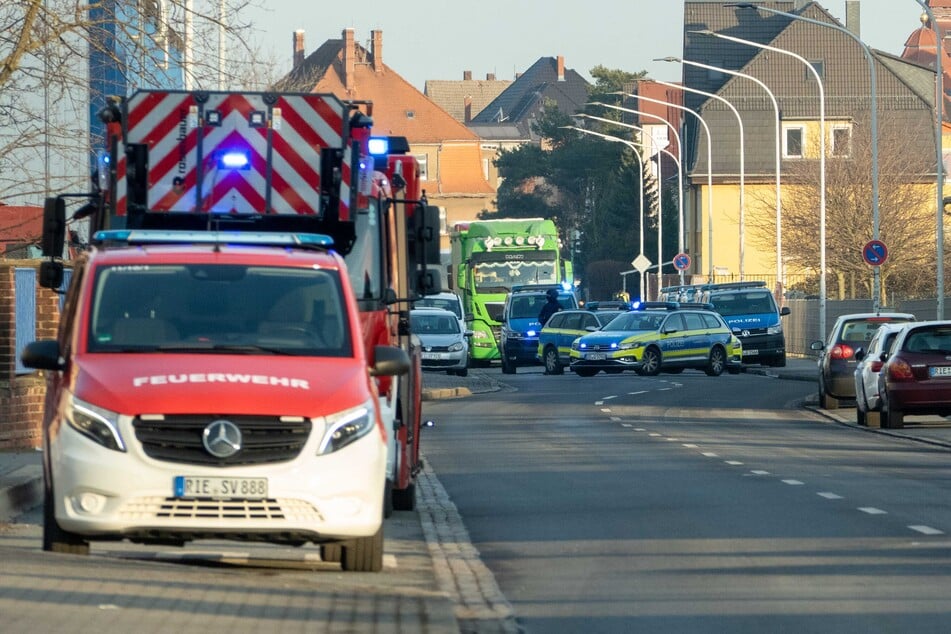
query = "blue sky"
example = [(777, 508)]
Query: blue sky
[(436, 39)]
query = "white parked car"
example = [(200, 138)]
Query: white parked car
[(870, 360), (446, 300), (445, 345)]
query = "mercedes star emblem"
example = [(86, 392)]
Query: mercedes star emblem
[(222, 438)]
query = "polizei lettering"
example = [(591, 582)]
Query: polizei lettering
[(221, 377)]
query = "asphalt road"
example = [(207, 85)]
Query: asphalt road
[(695, 504)]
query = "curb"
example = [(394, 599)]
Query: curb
[(444, 393)]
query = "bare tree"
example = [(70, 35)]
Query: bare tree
[(50, 49), (906, 217)]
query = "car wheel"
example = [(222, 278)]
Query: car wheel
[(891, 418), (650, 362), (55, 539), (860, 416), (779, 362), (552, 362), (405, 499), (717, 362), (507, 368), (331, 553), (585, 371), (462, 372), (363, 554), (388, 498)]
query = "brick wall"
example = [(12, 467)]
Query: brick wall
[(21, 397)]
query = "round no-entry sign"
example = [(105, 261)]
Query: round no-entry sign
[(681, 261), (875, 252)]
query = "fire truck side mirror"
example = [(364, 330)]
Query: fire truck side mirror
[(51, 274), (424, 234), (54, 227)]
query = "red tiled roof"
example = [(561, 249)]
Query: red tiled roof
[(20, 224)]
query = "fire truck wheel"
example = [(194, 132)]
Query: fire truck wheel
[(363, 554), (331, 553), (56, 539), (405, 499), (388, 498)]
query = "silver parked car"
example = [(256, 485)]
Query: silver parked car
[(870, 359), (445, 345)]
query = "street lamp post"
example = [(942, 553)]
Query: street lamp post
[(739, 121), (822, 160), (706, 129), (660, 224), (873, 85), (939, 141), (778, 152), (680, 152)]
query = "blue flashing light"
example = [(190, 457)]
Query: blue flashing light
[(234, 160), (531, 333), (379, 146), (249, 238), (567, 286)]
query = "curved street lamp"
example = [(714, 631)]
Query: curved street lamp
[(680, 151), (778, 153), (873, 85), (739, 121), (660, 224), (822, 159)]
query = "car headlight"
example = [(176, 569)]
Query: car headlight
[(630, 345), (96, 423), (576, 344), (345, 427), (456, 347), (511, 334), (775, 330)]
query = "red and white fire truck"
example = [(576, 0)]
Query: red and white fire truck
[(199, 200)]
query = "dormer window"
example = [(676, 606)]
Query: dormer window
[(410, 114)]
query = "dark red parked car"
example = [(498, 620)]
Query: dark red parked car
[(916, 378)]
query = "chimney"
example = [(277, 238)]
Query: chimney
[(490, 76), (298, 47), (377, 50), (561, 68), (467, 104), (467, 75), (349, 59), (852, 17)]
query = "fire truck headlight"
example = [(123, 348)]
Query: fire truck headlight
[(96, 423), (346, 427)]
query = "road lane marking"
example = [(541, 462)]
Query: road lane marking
[(871, 510), (599, 402), (793, 482), (926, 530), (639, 429), (733, 462), (690, 446), (606, 410), (709, 454), (829, 496), (673, 439), (759, 472), (654, 434), (607, 398), (636, 393), (615, 419)]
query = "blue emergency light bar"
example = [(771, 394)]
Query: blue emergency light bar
[(378, 146), (249, 238)]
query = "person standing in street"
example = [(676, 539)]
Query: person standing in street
[(551, 306)]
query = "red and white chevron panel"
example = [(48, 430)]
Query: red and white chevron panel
[(296, 126)]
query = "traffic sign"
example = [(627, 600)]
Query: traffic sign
[(681, 261), (875, 252), (641, 263)]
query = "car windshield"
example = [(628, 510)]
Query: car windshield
[(526, 306), (861, 330), (423, 324), (755, 302), (634, 321), (232, 309), (929, 340)]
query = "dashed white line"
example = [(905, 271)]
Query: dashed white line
[(599, 402), (793, 482), (606, 410), (626, 425), (759, 472), (673, 439), (926, 530), (664, 389), (654, 434), (639, 429), (871, 510), (690, 446), (615, 419), (733, 462), (636, 393), (709, 454), (829, 495), (608, 398)]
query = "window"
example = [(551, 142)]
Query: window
[(793, 139), (423, 166), (841, 141), (820, 68)]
